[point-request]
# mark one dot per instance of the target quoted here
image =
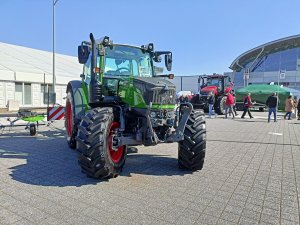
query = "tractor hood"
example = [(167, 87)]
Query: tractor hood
[(156, 90), (208, 89)]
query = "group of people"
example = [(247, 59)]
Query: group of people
[(230, 105), (272, 103), (290, 105)]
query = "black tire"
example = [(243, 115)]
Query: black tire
[(94, 144), (220, 105), (191, 151), (239, 107), (32, 129), (195, 101), (70, 125)]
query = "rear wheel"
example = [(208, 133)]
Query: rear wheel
[(191, 151), (32, 129), (98, 157), (220, 107), (71, 127)]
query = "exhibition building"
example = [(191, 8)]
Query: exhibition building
[(274, 62)]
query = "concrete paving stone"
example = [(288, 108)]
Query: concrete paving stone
[(274, 200), (24, 222), (256, 195), (27, 212), (225, 222), (258, 190), (216, 212), (271, 212), (78, 218), (247, 221), (271, 205), (196, 207), (8, 217), (290, 209), (236, 202), (288, 222), (206, 219), (289, 203), (255, 201), (269, 219), (217, 204), (233, 209), (254, 215), (188, 217), (290, 216)]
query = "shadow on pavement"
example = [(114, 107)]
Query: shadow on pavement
[(48, 161)]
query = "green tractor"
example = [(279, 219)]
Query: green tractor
[(122, 102)]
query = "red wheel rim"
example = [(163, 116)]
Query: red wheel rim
[(115, 155), (69, 119)]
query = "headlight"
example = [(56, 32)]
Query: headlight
[(153, 114)]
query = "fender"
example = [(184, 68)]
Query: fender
[(79, 99)]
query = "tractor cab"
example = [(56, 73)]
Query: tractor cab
[(219, 84)]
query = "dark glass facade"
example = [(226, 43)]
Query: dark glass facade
[(266, 68)]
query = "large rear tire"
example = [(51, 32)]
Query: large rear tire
[(70, 125), (97, 156), (195, 101), (191, 151), (220, 105)]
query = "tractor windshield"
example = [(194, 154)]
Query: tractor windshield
[(124, 60), (214, 82)]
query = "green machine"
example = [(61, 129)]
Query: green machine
[(120, 102), (260, 94)]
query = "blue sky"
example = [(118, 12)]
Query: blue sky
[(205, 36)]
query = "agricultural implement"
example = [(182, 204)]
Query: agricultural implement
[(33, 120)]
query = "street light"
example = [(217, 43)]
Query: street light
[(53, 72)]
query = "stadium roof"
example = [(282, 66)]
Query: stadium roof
[(270, 47), (17, 62)]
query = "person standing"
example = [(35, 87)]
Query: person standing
[(234, 105), (211, 102), (247, 104), (289, 105), (298, 109), (272, 102), (229, 105)]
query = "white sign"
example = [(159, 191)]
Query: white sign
[(282, 74), (246, 74)]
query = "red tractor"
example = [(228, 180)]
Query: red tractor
[(216, 83)]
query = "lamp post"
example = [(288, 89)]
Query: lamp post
[(53, 71)]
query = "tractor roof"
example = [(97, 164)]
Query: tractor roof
[(214, 76)]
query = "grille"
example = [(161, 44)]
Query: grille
[(163, 97)]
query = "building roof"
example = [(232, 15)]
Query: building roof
[(270, 47), (26, 64)]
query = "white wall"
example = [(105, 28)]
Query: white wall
[(7, 92), (2, 95)]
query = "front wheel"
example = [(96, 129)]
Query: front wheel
[(220, 105), (98, 157), (191, 151)]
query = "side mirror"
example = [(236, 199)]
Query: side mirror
[(83, 53), (168, 61)]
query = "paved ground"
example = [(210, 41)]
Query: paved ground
[(251, 176)]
